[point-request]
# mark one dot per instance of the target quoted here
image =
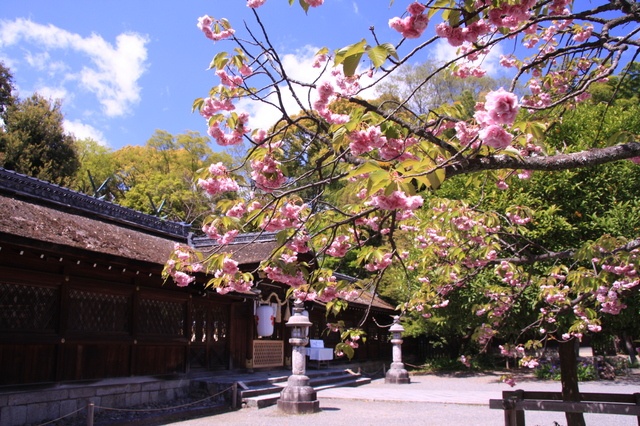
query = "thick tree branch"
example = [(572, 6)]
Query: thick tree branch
[(559, 162)]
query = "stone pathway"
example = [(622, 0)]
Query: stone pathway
[(428, 400)]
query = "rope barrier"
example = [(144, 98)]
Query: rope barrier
[(374, 373), (165, 408), (60, 418), (147, 410)]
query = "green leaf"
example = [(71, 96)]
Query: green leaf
[(369, 167), (379, 54), (390, 130), (350, 64), (436, 178), (197, 104), (304, 5), (349, 57), (377, 181), (441, 4), (225, 23), (622, 136), (219, 61)]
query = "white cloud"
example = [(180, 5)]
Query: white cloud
[(443, 52), (83, 131), (299, 68), (53, 93), (112, 73)]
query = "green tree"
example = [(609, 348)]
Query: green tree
[(6, 90), (428, 86), (391, 169), (34, 142), (97, 173), (160, 177)]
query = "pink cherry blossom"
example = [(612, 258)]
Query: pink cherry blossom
[(229, 266), (276, 274), (205, 22), (255, 3), (502, 106), (236, 134), (182, 279), (237, 210), (219, 181), (582, 34), (379, 264), (229, 80), (413, 25), (510, 381), (288, 258), (502, 185), (396, 200), (339, 246), (363, 141), (495, 137), (508, 61), (318, 60), (454, 35), (465, 361), (298, 243), (212, 106), (266, 173)]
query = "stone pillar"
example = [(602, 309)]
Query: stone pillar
[(298, 397), (397, 373)]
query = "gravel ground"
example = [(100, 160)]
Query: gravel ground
[(428, 400)]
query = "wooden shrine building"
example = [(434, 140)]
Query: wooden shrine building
[(82, 297)]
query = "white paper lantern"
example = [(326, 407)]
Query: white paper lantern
[(265, 319)]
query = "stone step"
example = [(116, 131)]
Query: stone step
[(260, 398)]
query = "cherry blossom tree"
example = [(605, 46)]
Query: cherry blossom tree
[(374, 168)]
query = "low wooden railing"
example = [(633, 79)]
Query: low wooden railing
[(515, 403)]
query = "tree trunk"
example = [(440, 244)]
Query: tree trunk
[(631, 350), (569, 379)]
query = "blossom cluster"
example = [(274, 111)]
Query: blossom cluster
[(500, 108), (267, 174), (219, 180), (213, 29), (397, 200), (413, 25), (237, 132), (326, 93), (289, 216), (182, 265)]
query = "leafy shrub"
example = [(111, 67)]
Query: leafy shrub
[(550, 370)]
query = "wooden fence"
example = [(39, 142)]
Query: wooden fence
[(515, 403)]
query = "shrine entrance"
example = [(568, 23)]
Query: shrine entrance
[(209, 341)]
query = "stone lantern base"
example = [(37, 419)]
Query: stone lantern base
[(397, 374), (298, 397)]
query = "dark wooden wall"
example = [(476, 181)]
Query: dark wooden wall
[(66, 319)]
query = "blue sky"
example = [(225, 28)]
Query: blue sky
[(126, 68)]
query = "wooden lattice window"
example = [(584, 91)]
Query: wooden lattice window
[(91, 311), (28, 308), (268, 353), (161, 317), (219, 320), (199, 324)]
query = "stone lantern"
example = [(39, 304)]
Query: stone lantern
[(397, 374), (298, 397)]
